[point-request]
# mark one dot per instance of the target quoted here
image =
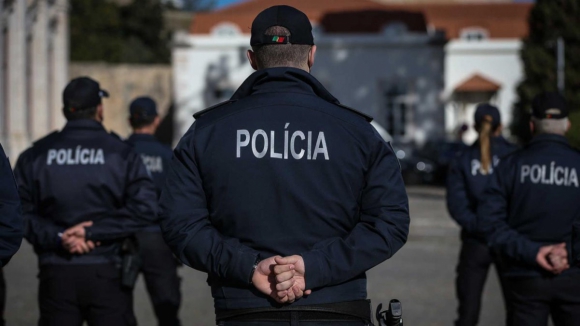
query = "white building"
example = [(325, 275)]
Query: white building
[(482, 62), (33, 70), (390, 61)]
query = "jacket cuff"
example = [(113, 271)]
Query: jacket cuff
[(531, 254), (314, 277), (89, 234)]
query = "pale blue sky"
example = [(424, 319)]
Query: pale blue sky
[(222, 3)]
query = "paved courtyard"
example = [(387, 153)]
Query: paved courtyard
[(420, 275)]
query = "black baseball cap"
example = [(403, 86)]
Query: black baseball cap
[(486, 109), (82, 93), (293, 19), (549, 105), (143, 108)]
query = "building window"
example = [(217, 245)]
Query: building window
[(395, 30), (396, 110), (474, 34), (226, 30)]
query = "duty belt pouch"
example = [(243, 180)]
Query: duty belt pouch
[(131, 262)]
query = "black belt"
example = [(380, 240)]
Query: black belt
[(350, 310)]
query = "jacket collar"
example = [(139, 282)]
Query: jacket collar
[(83, 124), (549, 137), (283, 79), (141, 137)]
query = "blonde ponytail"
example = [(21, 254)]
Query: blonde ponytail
[(485, 144)]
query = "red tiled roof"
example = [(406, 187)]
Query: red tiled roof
[(501, 20), (478, 83)]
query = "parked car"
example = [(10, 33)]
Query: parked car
[(416, 169), (443, 152)]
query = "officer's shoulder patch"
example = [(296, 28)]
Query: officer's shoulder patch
[(213, 107), (367, 117)]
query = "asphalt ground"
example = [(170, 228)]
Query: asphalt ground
[(421, 275)]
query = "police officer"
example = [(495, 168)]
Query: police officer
[(83, 191), (576, 242), (11, 227), (467, 177), (527, 213), (282, 191), (159, 266)]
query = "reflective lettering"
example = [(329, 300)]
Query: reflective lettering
[(242, 143), (254, 137)]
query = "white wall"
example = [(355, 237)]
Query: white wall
[(200, 63), (353, 68), (496, 60)]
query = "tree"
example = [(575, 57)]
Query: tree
[(550, 19), (105, 31)]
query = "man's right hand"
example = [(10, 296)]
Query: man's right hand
[(553, 258), (265, 281), (296, 265)]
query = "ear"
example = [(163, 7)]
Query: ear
[(100, 116), (252, 59), (499, 130), (157, 121), (532, 129), (311, 56), (569, 126)]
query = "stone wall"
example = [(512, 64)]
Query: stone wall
[(124, 82)]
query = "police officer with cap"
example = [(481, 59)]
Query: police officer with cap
[(11, 226), (527, 212), (83, 191), (466, 181), (159, 266), (282, 195)]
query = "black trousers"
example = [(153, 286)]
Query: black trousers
[(475, 260), (71, 294), (534, 299), (160, 272)]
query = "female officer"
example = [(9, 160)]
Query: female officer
[(465, 184)]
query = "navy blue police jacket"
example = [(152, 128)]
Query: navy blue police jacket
[(284, 169), (156, 157), (531, 201), (466, 183), (79, 174), (576, 242), (11, 225)]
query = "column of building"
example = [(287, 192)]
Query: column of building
[(3, 31), (33, 70), (16, 112), (60, 61), (40, 105)]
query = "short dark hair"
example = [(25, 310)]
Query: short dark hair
[(87, 113), (281, 55), (141, 122)]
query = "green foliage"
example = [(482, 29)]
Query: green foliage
[(104, 31), (550, 19)]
